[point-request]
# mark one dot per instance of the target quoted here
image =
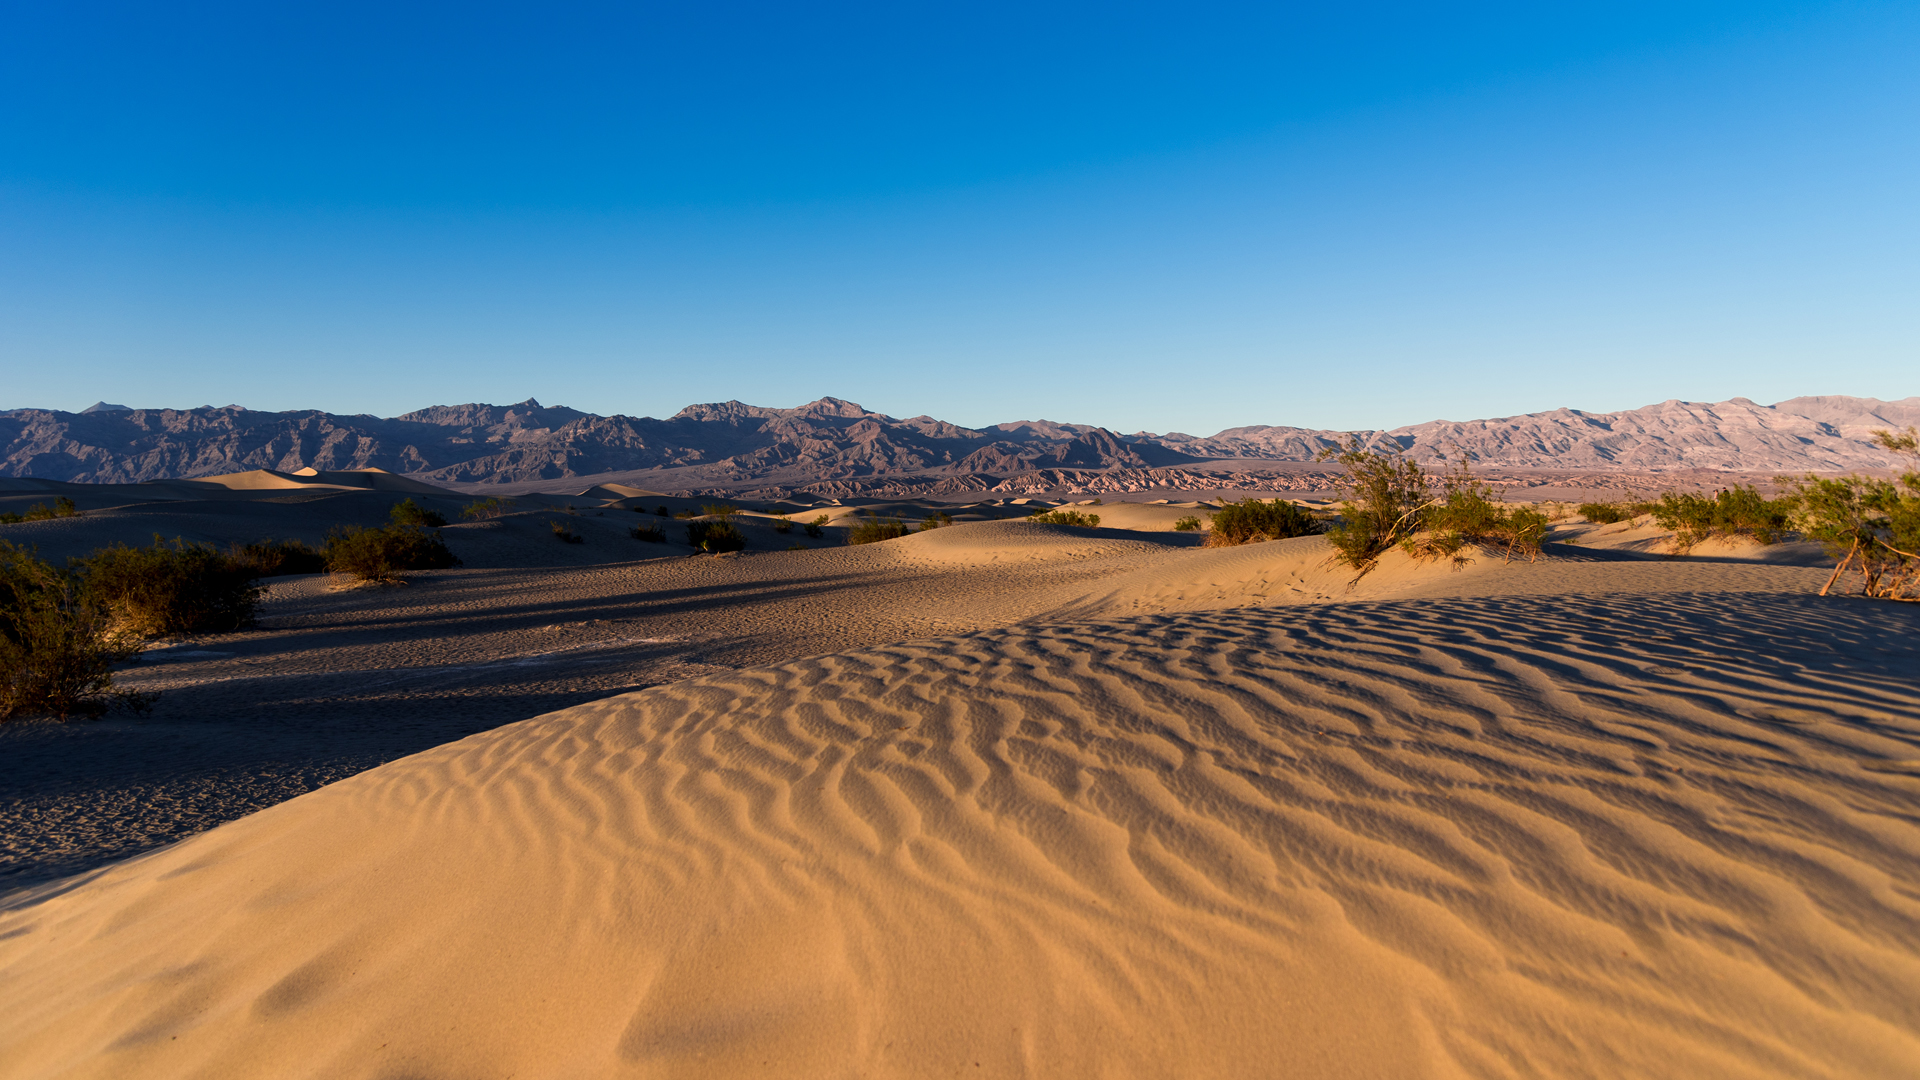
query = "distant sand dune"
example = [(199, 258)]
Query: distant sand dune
[(1667, 834)]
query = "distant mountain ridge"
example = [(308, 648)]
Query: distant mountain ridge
[(837, 444)]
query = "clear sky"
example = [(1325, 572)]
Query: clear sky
[(1162, 217)]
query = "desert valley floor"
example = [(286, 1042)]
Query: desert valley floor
[(996, 799)]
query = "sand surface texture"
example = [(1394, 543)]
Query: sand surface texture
[(1162, 812)]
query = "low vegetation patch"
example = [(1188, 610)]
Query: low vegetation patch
[(1386, 494), (58, 643), (1391, 502), (1610, 513), (1871, 525), (872, 530), (564, 534), (1065, 517), (652, 534), (782, 524), (408, 512), (1254, 520), (383, 554), (1190, 523), (485, 509), (1738, 511), (1469, 512), (160, 590), (818, 526), (935, 521), (277, 558), (715, 537), (62, 507)]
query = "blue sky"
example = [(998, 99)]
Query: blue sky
[(1162, 217)]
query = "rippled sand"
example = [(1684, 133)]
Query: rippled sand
[(1580, 819)]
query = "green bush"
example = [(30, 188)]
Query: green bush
[(652, 534), (1253, 520), (935, 521), (383, 554), (1385, 496), (62, 507), (276, 558), (1470, 512), (1187, 524), (1604, 513), (58, 644), (408, 512), (160, 590), (782, 524), (478, 510), (1065, 517), (715, 536), (719, 510), (661, 511), (872, 530), (564, 534), (818, 525), (1735, 511), (1871, 525), (1392, 502)]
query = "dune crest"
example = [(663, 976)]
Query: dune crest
[(1639, 835)]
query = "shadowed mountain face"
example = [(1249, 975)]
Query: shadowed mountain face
[(830, 440)]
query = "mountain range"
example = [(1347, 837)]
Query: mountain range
[(836, 447)]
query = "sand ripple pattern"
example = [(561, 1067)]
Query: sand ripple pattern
[(1665, 836)]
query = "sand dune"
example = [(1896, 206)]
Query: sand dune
[(1587, 818)]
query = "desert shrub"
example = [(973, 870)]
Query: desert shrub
[(408, 512), (1392, 502), (715, 536), (1253, 520), (872, 530), (1603, 513), (479, 510), (1870, 524), (817, 526), (564, 534), (1525, 530), (1385, 496), (11, 518), (935, 521), (383, 554), (58, 645), (1470, 512), (782, 524), (1189, 523), (62, 507), (277, 558), (719, 510), (1065, 517), (1735, 511), (652, 534), (661, 511), (159, 590)]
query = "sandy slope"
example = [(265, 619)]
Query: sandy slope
[(1585, 818)]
